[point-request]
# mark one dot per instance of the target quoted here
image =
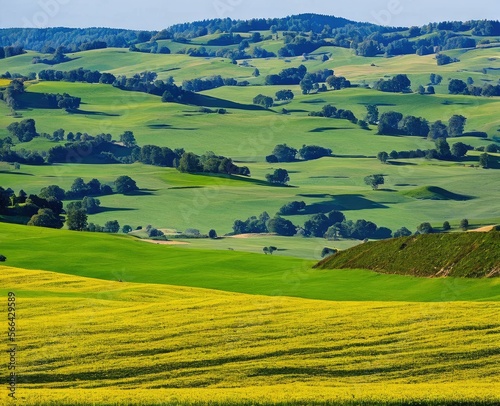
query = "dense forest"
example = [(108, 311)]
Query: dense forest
[(302, 34)]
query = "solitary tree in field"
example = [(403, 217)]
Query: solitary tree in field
[(125, 184), (279, 177), (383, 157), (375, 181), (464, 224), (446, 226)]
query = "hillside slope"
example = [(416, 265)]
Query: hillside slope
[(469, 255)]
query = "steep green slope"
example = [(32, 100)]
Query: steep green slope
[(470, 255)]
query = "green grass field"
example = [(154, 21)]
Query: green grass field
[(125, 258)]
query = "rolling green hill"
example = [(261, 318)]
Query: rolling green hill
[(465, 255), (114, 258)]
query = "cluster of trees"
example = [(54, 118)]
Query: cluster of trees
[(9, 51), (58, 101), (151, 48), (457, 86), (11, 94), (332, 225), (288, 76), (393, 123), (72, 39), (57, 57), (264, 101), (443, 59), (397, 84), (330, 111), (442, 151), (24, 130), (307, 81), (46, 208), (210, 163), (76, 75), (146, 82), (284, 153), (213, 82)]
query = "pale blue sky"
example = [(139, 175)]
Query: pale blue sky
[(158, 14)]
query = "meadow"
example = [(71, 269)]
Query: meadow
[(180, 345), (125, 258)]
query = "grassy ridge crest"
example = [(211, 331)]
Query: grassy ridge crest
[(462, 255)]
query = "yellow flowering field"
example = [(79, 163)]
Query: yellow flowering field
[(87, 341), (4, 82)]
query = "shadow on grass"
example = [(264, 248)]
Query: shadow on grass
[(17, 173), (169, 127), (324, 129), (341, 203), (92, 113), (185, 187), (313, 101), (209, 101), (399, 163), (111, 209), (142, 192), (328, 177)]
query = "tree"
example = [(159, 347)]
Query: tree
[(291, 208), (431, 90), (327, 252), (284, 95), (76, 220), (443, 148), (317, 225), (91, 205), (456, 125), (446, 226), (125, 184), (256, 73), (402, 232), (383, 157), (212, 234), (45, 218), (425, 228), (25, 130), (389, 123), (79, 188), (306, 84), (111, 227), (128, 139), (3, 258), (438, 130), (284, 153), (279, 177), (372, 114), (263, 101), (52, 191), (485, 161), (457, 86), (464, 224), (374, 181), (281, 226), (421, 89), (459, 149), (126, 229)]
